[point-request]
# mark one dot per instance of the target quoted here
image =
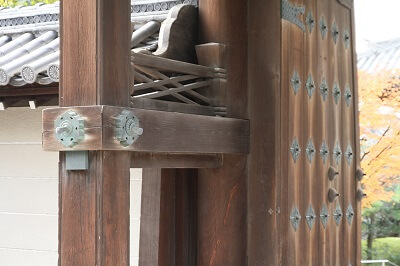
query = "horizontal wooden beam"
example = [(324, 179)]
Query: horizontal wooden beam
[(29, 91), (162, 160), (163, 132)]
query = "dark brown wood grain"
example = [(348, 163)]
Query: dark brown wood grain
[(168, 160)]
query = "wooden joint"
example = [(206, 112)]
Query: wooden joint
[(163, 132)]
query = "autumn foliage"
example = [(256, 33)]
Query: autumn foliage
[(379, 95)]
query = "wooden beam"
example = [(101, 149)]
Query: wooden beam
[(29, 91), (154, 160), (163, 132), (95, 64)]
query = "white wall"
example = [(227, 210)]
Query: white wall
[(29, 194)]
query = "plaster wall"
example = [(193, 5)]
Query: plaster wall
[(29, 194)]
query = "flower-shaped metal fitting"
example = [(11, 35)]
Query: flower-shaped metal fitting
[(69, 129), (127, 129), (324, 89), (347, 95), (337, 215), (337, 153), (310, 85), (295, 218), (323, 27), (310, 217), (324, 151), (336, 93), (295, 150), (310, 21), (335, 32), (349, 154), (349, 214), (296, 82), (324, 215), (310, 150), (346, 39)]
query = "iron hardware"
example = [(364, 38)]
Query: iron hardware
[(335, 32), (336, 93), (337, 153), (324, 89), (332, 194), (347, 95), (324, 151), (310, 150), (349, 214), (127, 129), (310, 21), (296, 82), (332, 173), (310, 216), (346, 39), (69, 129), (291, 13), (295, 218), (295, 150), (310, 85), (349, 154), (360, 174), (337, 215), (323, 27), (324, 216), (360, 194)]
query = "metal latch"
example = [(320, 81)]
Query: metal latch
[(291, 13)]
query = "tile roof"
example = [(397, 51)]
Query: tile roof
[(29, 41)]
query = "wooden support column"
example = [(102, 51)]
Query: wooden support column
[(222, 225), (95, 64)]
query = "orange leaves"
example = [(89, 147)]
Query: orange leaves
[(379, 132)]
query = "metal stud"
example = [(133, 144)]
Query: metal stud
[(323, 27), (336, 93), (337, 153), (337, 215), (349, 214), (324, 89), (310, 216), (324, 151), (335, 32), (346, 39), (349, 154), (310, 150), (359, 174), (295, 218), (310, 21), (295, 150), (296, 82), (332, 194), (332, 173), (347, 95), (324, 215), (360, 194), (310, 85)]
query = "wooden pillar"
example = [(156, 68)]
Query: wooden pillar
[(95, 63), (222, 197)]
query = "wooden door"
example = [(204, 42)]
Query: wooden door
[(318, 125)]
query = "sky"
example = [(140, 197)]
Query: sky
[(376, 20)]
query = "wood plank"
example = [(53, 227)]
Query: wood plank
[(154, 160), (29, 91)]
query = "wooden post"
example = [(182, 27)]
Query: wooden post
[(95, 64)]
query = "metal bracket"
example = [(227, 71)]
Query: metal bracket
[(291, 13), (296, 82), (295, 218), (69, 129), (310, 150), (310, 85), (77, 160), (349, 214), (337, 153), (310, 21), (346, 39), (324, 151), (127, 129), (295, 150), (347, 95), (310, 216), (335, 32), (349, 154), (336, 93), (323, 27), (324, 216), (337, 215), (324, 89)]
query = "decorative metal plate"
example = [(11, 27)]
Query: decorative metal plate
[(310, 21), (324, 215), (337, 215), (310, 150), (349, 154), (295, 218), (323, 27), (335, 32), (346, 39), (310, 85), (296, 82), (324, 151), (337, 153), (347, 95), (291, 13), (349, 214), (324, 89), (310, 217), (295, 150), (336, 93)]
